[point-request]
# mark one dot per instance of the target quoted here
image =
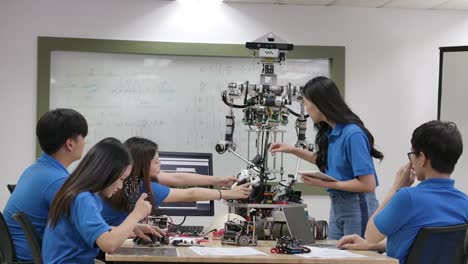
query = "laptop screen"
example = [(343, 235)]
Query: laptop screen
[(298, 224)]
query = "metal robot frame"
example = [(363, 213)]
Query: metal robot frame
[(265, 108)]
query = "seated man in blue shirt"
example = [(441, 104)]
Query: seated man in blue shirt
[(435, 149), (61, 134)]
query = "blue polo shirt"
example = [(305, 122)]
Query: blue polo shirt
[(34, 193), (73, 240), (433, 202), (349, 153), (115, 217)]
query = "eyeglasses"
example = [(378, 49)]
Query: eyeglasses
[(409, 154)]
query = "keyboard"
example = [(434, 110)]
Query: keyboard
[(186, 229)]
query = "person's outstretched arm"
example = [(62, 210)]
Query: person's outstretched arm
[(299, 152), (205, 194), (194, 179)]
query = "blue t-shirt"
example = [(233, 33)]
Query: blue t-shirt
[(434, 202), (349, 153), (34, 193), (73, 240), (115, 217)]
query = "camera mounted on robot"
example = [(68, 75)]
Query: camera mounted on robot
[(270, 48)]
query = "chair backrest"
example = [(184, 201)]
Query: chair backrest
[(435, 245), (11, 187), (34, 241), (7, 249), (466, 247)]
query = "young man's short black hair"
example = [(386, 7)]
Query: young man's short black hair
[(441, 142), (56, 126)]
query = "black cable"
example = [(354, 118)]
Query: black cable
[(265, 153), (183, 221), (223, 96), (246, 92), (261, 147), (295, 114), (212, 230)]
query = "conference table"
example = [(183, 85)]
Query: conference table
[(130, 253)]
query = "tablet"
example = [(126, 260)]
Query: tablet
[(317, 174)]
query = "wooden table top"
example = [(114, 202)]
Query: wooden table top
[(133, 253)]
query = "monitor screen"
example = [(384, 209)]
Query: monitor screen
[(187, 162)]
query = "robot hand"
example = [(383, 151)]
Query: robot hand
[(223, 146)]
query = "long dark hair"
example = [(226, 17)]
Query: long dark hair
[(324, 93), (101, 166), (142, 151)]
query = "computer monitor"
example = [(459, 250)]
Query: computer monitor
[(188, 162)]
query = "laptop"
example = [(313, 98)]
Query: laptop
[(300, 228)]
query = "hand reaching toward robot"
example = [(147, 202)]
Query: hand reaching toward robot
[(225, 181), (238, 191), (281, 147)]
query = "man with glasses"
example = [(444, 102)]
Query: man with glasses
[(410, 154), (435, 149)]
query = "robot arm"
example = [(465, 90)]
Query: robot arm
[(227, 143)]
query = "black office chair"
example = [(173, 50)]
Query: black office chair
[(11, 187), (7, 249), (34, 241), (439, 245), (466, 247)]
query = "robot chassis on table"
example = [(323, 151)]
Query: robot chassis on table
[(239, 233), (289, 245), (170, 236)]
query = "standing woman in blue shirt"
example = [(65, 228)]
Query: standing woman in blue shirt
[(344, 150), (75, 227)]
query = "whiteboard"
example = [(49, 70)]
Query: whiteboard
[(452, 107), (172, 100)]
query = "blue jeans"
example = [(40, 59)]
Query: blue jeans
[(349, 213)]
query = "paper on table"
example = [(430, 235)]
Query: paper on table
[(213, 251), (316, 252)]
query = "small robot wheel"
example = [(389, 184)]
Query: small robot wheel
[(243, 241)]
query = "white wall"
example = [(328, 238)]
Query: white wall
[(391, 59)]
